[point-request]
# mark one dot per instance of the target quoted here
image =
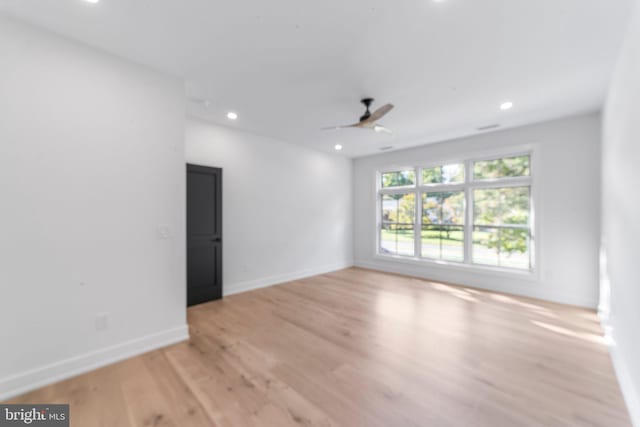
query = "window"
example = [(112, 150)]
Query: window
[(501, 168), (501, 227), (442, 234), (398, 218), (476, 212), (445, 174), (398, 179)]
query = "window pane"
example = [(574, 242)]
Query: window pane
[(442, 225), (443, 242), (444, 207), (502, 246), (388, 239), (397, 239), (398, 179), (397, 228), (507, 167), (501, 235), (497, 206), (406, 239), (399, 208), (445, 174)]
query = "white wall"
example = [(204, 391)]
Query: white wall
[(620, 218), (566, 169), (287, 210), (91, 162)]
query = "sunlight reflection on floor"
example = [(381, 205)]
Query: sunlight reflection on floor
[(456, 292), (568, 332)]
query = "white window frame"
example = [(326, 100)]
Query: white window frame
[(468, 187)]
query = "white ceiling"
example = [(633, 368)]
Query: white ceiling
[(290, 67)]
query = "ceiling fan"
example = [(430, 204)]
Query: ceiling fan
[(368, 120)]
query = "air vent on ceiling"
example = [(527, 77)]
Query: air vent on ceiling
[(204, 102), (387, 148), (488, 127)]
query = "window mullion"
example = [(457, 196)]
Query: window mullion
[(438, 188), (502, 182), (399, 190), (417, 229), (468, 223)]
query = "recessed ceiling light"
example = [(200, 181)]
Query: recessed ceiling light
[(231, 115), (507, 105), (92, 1), (338, 147)]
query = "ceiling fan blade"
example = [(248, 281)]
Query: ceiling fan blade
[(369, 122), (341, 127), (379, 113), (381, 129)]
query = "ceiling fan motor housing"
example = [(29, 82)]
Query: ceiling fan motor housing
[(367, 103)]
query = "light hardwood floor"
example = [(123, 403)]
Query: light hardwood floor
[(361, 348)]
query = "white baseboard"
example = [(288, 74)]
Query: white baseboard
[(239, 287), (629, 392), (532, 291), (24, 382)]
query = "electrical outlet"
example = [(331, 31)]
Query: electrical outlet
[(164, 232), (102, 321)]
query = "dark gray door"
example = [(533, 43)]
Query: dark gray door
[(204, 234)]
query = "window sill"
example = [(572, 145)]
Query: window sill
[(452, 265)]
